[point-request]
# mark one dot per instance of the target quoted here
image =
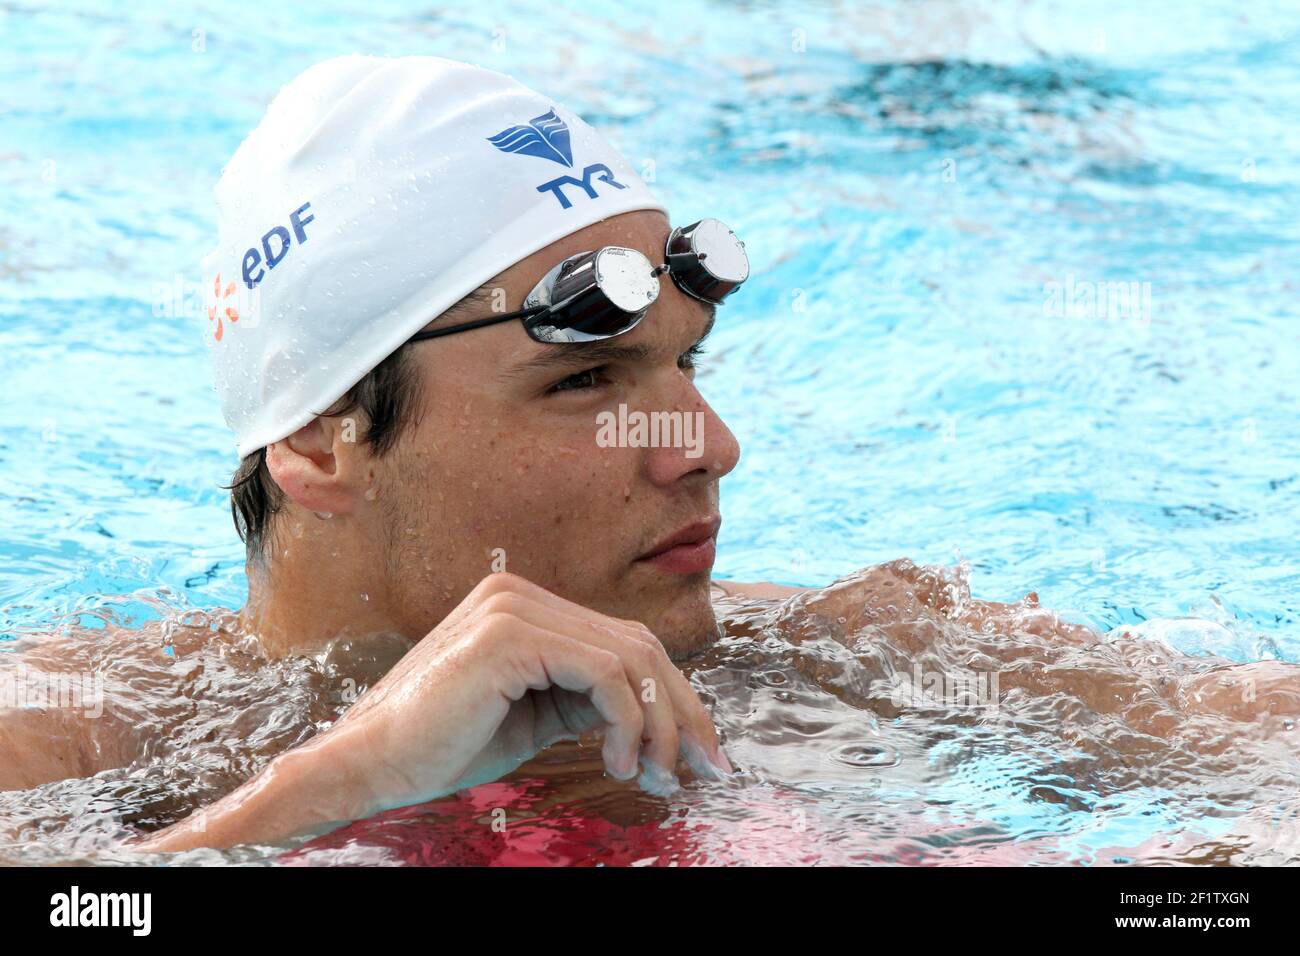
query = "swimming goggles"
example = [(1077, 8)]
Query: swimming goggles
[(600, 294)]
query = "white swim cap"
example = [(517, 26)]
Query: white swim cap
[(376, 193)]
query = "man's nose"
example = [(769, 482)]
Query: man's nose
[(702, 448)]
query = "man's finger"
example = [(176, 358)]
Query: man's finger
[(548, 658)]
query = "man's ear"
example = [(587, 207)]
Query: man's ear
[(314, 470)]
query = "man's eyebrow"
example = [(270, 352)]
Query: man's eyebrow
[(570, 354)]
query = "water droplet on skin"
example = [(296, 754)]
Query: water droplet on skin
[(372, 493)]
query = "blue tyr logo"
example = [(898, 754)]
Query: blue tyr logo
[(547, 137), (601, 172)]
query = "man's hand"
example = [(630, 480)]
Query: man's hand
[(511, 670)]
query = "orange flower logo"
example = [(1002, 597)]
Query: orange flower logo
[(230, 311)]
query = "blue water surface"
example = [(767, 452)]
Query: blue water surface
[(913, 182)]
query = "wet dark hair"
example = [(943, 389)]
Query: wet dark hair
[(388, 397)]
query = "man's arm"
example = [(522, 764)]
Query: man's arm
[(511, 670), (759, 590), (901, 582), (48, 732), (313, 787), (37, 747)]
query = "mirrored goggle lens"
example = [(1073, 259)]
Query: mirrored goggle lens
[(708, 260), (595, 295)]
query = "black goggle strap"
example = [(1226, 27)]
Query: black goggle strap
[(478, 323), (523, 314)]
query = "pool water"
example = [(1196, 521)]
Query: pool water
[(1022, 305)]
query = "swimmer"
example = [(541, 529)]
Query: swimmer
[(429, 284)]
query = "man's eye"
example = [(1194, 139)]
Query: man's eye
[(584, 379)]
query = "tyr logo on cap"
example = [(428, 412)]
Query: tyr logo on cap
[(547, 137)]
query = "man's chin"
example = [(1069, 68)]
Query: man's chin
[(686, 622)]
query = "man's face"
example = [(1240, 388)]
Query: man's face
[(508, 468)]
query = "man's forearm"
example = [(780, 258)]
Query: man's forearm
[(302, 790), (760, 589)]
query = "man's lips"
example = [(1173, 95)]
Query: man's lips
[(687, 551)]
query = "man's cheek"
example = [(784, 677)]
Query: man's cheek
[(556, 468)]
